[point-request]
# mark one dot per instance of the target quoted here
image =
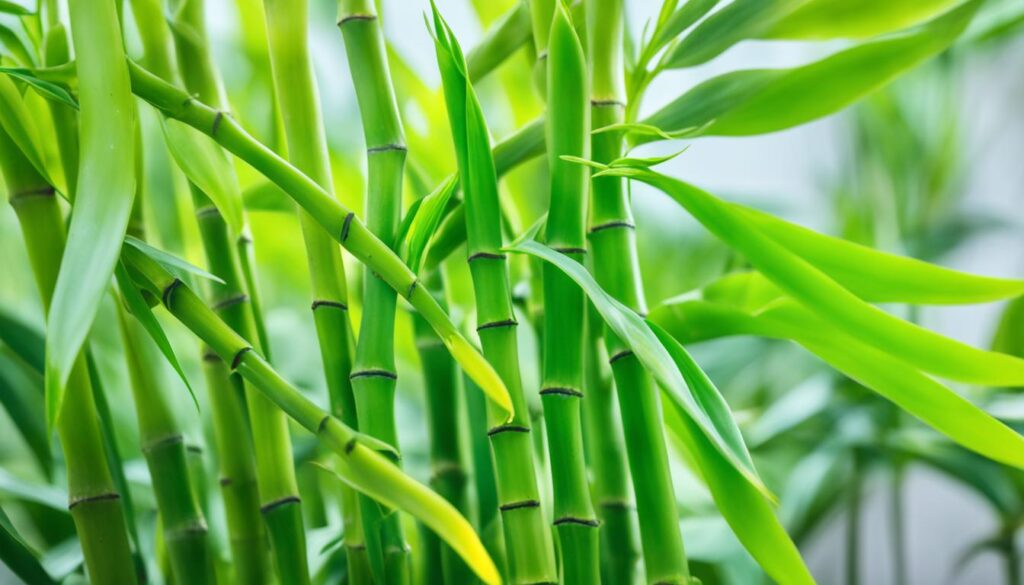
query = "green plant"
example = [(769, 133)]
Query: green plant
[(579, 404)]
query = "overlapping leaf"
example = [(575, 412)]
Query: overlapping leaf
[(759, 101), (814, 289)]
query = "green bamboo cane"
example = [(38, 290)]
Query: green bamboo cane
[(445, 410), (606, 458), (238, 483), (360, 462), (563, 371), (278, 489), (613, 242), (94, 502), (373, 374), (531, 558), (340, 222)]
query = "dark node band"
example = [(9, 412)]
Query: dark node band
[(345, 226), (238, 357), (612, 225), (226, 481), (96, 498), (216, 123), (46, 191), (589, 522), (271, 506), (352, 17), (207, 211), (617, 505), (211, 356), (395, 147), (618, 356), (373, 374), (193, 449), (561, 391), (412, 288), (323, 423), (485, 256), (507, 429), (163, 441), (337, 305), (607, 103), (494, 324), (571, 250), (519, 505), (350, 445), (169, 292), (230, 302)]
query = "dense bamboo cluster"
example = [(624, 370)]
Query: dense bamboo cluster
[(537, 469)]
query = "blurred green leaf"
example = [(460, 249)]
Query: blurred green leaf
[(18, 123), (47, 89), (759, 101), (21, 394), (18, 556), (23, 339), (14, 44), (424, 224), (20, 489), (7, 7), (829, 300), (829, 19)]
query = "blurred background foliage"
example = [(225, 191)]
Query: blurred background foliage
[(901, 182)]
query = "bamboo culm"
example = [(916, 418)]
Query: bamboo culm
[(563, 369), (94, 502), (613, 243), (374, 376)]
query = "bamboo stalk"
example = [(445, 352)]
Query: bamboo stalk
[(359, 457), (564, 309), (238, 484), (374, 375), (445, 410), (613, 242), (94, 502)]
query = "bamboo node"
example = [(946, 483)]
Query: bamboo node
[(589, 522), (519, 505), (612, 225), (207, 211), (271, 506), (46, 191), (485, 256), (352, 17), (230, 302), (393, 147), (238, 357), (321, 303), (373, 374), (345, 226), (350, 445), (561, 391), (508, 429), (162, 442), (618, 356), (607, 103), (217, 119), (568, 251), (94, 498), (169, 292), (494, 324), (323, 423)]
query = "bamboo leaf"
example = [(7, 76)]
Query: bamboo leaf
[(139, 308), (759, 101), (47, 89), (206, 165), (18, 556), (917, 394), (739, 20), (656, 359), (920, 347), (170, 262), (829, 19), (18, 123), (21, 394), (7, 7), (14, 44), (23, 339), (37, 493), (880, 277), (103, 200), (424, 224), (680, 20), (747, 511)]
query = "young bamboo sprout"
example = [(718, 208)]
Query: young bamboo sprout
[(373, 375), (530, 556), (613, 243), (92, 498), (564, 314)]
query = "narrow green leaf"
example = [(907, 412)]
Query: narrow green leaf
[(628, 326), (21, 395), (679, 21), (425, 222), (645, 162), (139, 308), (18, 556), (12, 8), (924, 349), (103, 199), (759, 101), (18, 123), (829, 19), (207, 166), (747, 511), (29, 491), (739, 20), (880, 277), (16, 46), (47, 89), (169, 261), (23, 339), (917, 394)]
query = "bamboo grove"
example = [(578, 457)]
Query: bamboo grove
[(495, 284)]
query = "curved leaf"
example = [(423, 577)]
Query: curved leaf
[(19, 557), (658, 361), (880, 277), (169, 261), (924, 349), (14, 44), (207, 166), (18, 123), (103, 199), (47, 89), (23, 339), (8, 7), (424, 223), (919, 395), (829, 19), (758, 101)]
